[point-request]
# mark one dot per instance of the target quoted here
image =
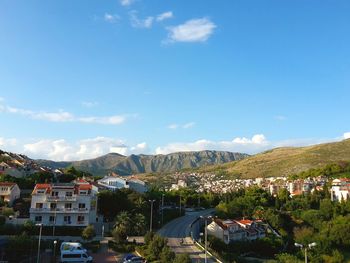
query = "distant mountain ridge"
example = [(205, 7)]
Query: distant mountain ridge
[(135, 164)]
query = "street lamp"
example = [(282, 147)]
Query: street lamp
[(54, 220), (206, 237), (309, 246), (162, 209), (54, 250), (150, 225), (41, 228)]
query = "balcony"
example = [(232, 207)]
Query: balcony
[(59, 210), (61, 198)]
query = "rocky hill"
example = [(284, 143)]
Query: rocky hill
[(134, 164), (285, 161)]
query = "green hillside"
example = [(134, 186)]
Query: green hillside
[(285, 161)]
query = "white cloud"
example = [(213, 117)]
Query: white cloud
[(89, 104), (126, 2), (280, 118), (164, 16), (346, 135), (7, 142), (257, 143), (63, 116), (194, 30), (111, 18), (62, 150), (140, 23), (175, 126)]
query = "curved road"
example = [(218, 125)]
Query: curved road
[(180, 229)]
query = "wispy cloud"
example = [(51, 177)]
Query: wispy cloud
[(164, 16), (63, 116), (140, 23), (194, 30), (63, 150), (175, 126), (280, 118), (89, 104), (126, 2), (111, 18)]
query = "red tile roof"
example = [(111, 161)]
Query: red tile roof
[(7, 184)]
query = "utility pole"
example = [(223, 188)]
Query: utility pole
[(180, 205), (162, 209), (150, 225), (38, 256)]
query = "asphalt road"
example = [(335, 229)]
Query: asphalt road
[(179, 230)]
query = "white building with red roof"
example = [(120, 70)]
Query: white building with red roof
[(340, 190), (9, 192), (236, 230), (64, 204)]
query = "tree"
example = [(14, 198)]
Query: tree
[(304, 235), (336, 257), (287, 258), (155, 247), (167, 255), (123, 222), (139, 224), (182, 258), (7, 211), (88, 232)]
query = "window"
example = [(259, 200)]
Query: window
[(38, 218), (39, 205), (71, 256), (52, 219), (54, 193), (40, 191), (53, 206), (81, 218), (83, 192), (81, 205), (69, 194), (66, 219), (68, 205)]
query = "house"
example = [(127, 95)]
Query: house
[(236, 230), (114, 183), (64, 204), (340, 190), (9, 192)]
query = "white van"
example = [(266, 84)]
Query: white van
[(75, 256), (70, 246)]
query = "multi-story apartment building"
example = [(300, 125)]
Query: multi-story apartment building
[(9, 192), (64, 204)]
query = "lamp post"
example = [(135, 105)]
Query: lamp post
[(150, 225), (41, 228), (309, 246), (180, 204), (54, 220), (206, 237), (162, 209), (54, 250)]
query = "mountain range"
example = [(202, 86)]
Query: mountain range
[(136, 164)]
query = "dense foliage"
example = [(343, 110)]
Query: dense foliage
[(303, 219)]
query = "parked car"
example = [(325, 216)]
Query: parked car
[(131, 258), (65, 246)]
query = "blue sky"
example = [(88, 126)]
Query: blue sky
[(83, 78)]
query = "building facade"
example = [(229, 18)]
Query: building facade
[(9, 192), (114, 183), (340, 190), (64, 204)]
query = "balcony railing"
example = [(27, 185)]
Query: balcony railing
[(61, 198), (59, 210)]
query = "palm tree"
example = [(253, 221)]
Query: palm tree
[(139, 224), (123, 222)]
